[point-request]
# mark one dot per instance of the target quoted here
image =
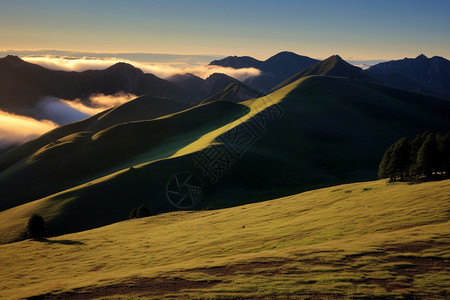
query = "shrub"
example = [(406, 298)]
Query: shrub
[(36, 227), (140, 212), (143, 212), (133, 213)]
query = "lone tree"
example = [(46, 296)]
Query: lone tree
[(36, 227)]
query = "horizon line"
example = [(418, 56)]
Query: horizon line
[(200, 54)]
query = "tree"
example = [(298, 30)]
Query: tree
[(133, 213), (427, 158), (400, 158), (383, 169), (415, 147), (143, 212), (36, 227), (140, 212), (444, 153)]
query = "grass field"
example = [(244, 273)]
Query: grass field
[(368, 239)]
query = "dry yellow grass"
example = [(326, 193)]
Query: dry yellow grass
[(356, 240)]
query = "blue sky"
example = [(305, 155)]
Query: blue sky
[(376, 29)]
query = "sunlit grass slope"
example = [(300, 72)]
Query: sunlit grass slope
[(94, 152), (368, 239), (142, 108), (318, 131)]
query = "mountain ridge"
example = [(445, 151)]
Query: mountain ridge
[(434, 71), (275, 69)]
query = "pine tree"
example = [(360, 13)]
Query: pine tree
[(445, 153), (415, 147), (427, 158), (400, 158), (383, 169)]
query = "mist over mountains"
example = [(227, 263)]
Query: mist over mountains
[(62, 97)]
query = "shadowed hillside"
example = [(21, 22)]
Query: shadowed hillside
[(317, 131)]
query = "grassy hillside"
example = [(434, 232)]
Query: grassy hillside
[(86, 155), (361, 240), (142, 108), (332, 66), (318, 131)]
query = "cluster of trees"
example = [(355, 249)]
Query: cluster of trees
[(427, 155)]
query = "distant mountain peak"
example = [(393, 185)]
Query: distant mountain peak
[(421, 56), (13, 59), (334, 58), (332, 66), (123, 66), (129, 74)]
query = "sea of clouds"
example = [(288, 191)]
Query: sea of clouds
[(51, 112)]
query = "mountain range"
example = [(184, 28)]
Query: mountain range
[(23, 84), (274, 70), (421, 74), (327, 124), (215, 83)]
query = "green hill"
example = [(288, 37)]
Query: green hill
[(318, 131), (332, 66), (368, 240)]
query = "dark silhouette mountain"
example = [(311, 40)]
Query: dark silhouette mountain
[(22, 84), (402, 81), (215, 83), (434, 72), (332, 66), (188, 82), (234, 92), (239, 62), (274, 70)]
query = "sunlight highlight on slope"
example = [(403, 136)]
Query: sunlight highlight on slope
[(256, 106)]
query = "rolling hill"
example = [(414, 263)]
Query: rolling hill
[(367, 240), (317, 131), (332, 66)]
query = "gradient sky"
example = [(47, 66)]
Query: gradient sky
[(355, 29)]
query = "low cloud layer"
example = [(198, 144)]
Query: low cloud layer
[(99, 102), (15, 129), (51, 112), (162, 70)]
